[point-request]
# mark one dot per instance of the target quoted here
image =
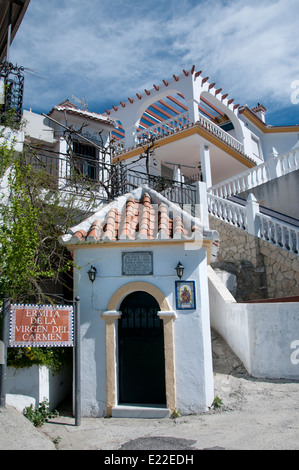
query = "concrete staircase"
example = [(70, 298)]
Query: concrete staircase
[(258, 245)]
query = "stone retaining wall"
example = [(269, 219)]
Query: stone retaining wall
[(262, 270)]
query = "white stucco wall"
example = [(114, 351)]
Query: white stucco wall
[(193, 359), (33, 385), (12, 139), (265, 336)]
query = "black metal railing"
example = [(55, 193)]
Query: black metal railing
[(80, 175), (175, 191), (11, 94)]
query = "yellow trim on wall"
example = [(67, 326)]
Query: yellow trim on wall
[(142, 243), (110, 362), (264, 127), (130, 287)]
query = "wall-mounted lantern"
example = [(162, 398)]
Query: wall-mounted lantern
[(180, 270), (92, 273)]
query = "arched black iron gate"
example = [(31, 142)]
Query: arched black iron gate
[(141, 351)]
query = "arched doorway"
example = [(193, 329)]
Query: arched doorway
[(141, 351)]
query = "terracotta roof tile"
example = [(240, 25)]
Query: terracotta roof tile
[(138, 219)]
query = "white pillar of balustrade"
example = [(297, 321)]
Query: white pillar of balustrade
[(273, 164), (252, 211)]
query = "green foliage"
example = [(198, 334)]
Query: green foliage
[(29, 249), (40, 414), (18, 236), (9, 118), (30, 253), (54, 358), (217, 403), (176, 414)]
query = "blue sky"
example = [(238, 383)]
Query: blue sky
[(108, 50)]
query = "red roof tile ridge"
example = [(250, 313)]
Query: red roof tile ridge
[(96, 230), (141, 214)]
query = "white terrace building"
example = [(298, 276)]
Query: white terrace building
[(198, 147), (189, 132), (194, 123)]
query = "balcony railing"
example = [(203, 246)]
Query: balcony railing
[(180, 122), (250, 218), (11, 94), (174, 191), (260, 174), (164, 128), (81, 176), (211, 127)]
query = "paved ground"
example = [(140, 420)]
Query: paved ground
[(257, 414)]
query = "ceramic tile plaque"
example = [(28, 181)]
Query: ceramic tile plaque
[(41, 326), (185, 295), (137, 263)]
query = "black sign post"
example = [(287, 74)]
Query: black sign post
[(5, 339), (77, 345)]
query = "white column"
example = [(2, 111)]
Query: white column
[(130, 136), (206, 165), (63, 164), (193, 110)]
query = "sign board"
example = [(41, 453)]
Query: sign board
[(137, 263), (41, 326)]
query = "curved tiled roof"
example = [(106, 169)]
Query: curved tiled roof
[(73, 109), (142, 214)]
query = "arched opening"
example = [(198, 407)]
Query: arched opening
[(224, 117), (141, 351), (118, 133)]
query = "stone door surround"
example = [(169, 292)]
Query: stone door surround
[(112, 314)]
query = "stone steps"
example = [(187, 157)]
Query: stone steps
[(139, 411)]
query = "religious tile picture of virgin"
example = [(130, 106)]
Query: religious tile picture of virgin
[(185, 295)]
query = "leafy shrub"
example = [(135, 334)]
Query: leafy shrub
[(54, 358), (217, 403), (40, 414)]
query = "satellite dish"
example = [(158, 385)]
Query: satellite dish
[(83, 102)]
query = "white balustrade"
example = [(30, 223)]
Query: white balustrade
[(278, 233), (248, 179), (249, 218), (289, 162), (222, 134), (178, 122), (227, 211), (164, 128)]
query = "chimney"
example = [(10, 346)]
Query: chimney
[(260, 111)]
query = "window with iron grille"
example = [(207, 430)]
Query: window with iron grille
[(86, 160)]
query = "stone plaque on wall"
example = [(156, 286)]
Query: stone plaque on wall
[(137, 263)]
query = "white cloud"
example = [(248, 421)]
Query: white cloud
[(108, 51), (251, 48)]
